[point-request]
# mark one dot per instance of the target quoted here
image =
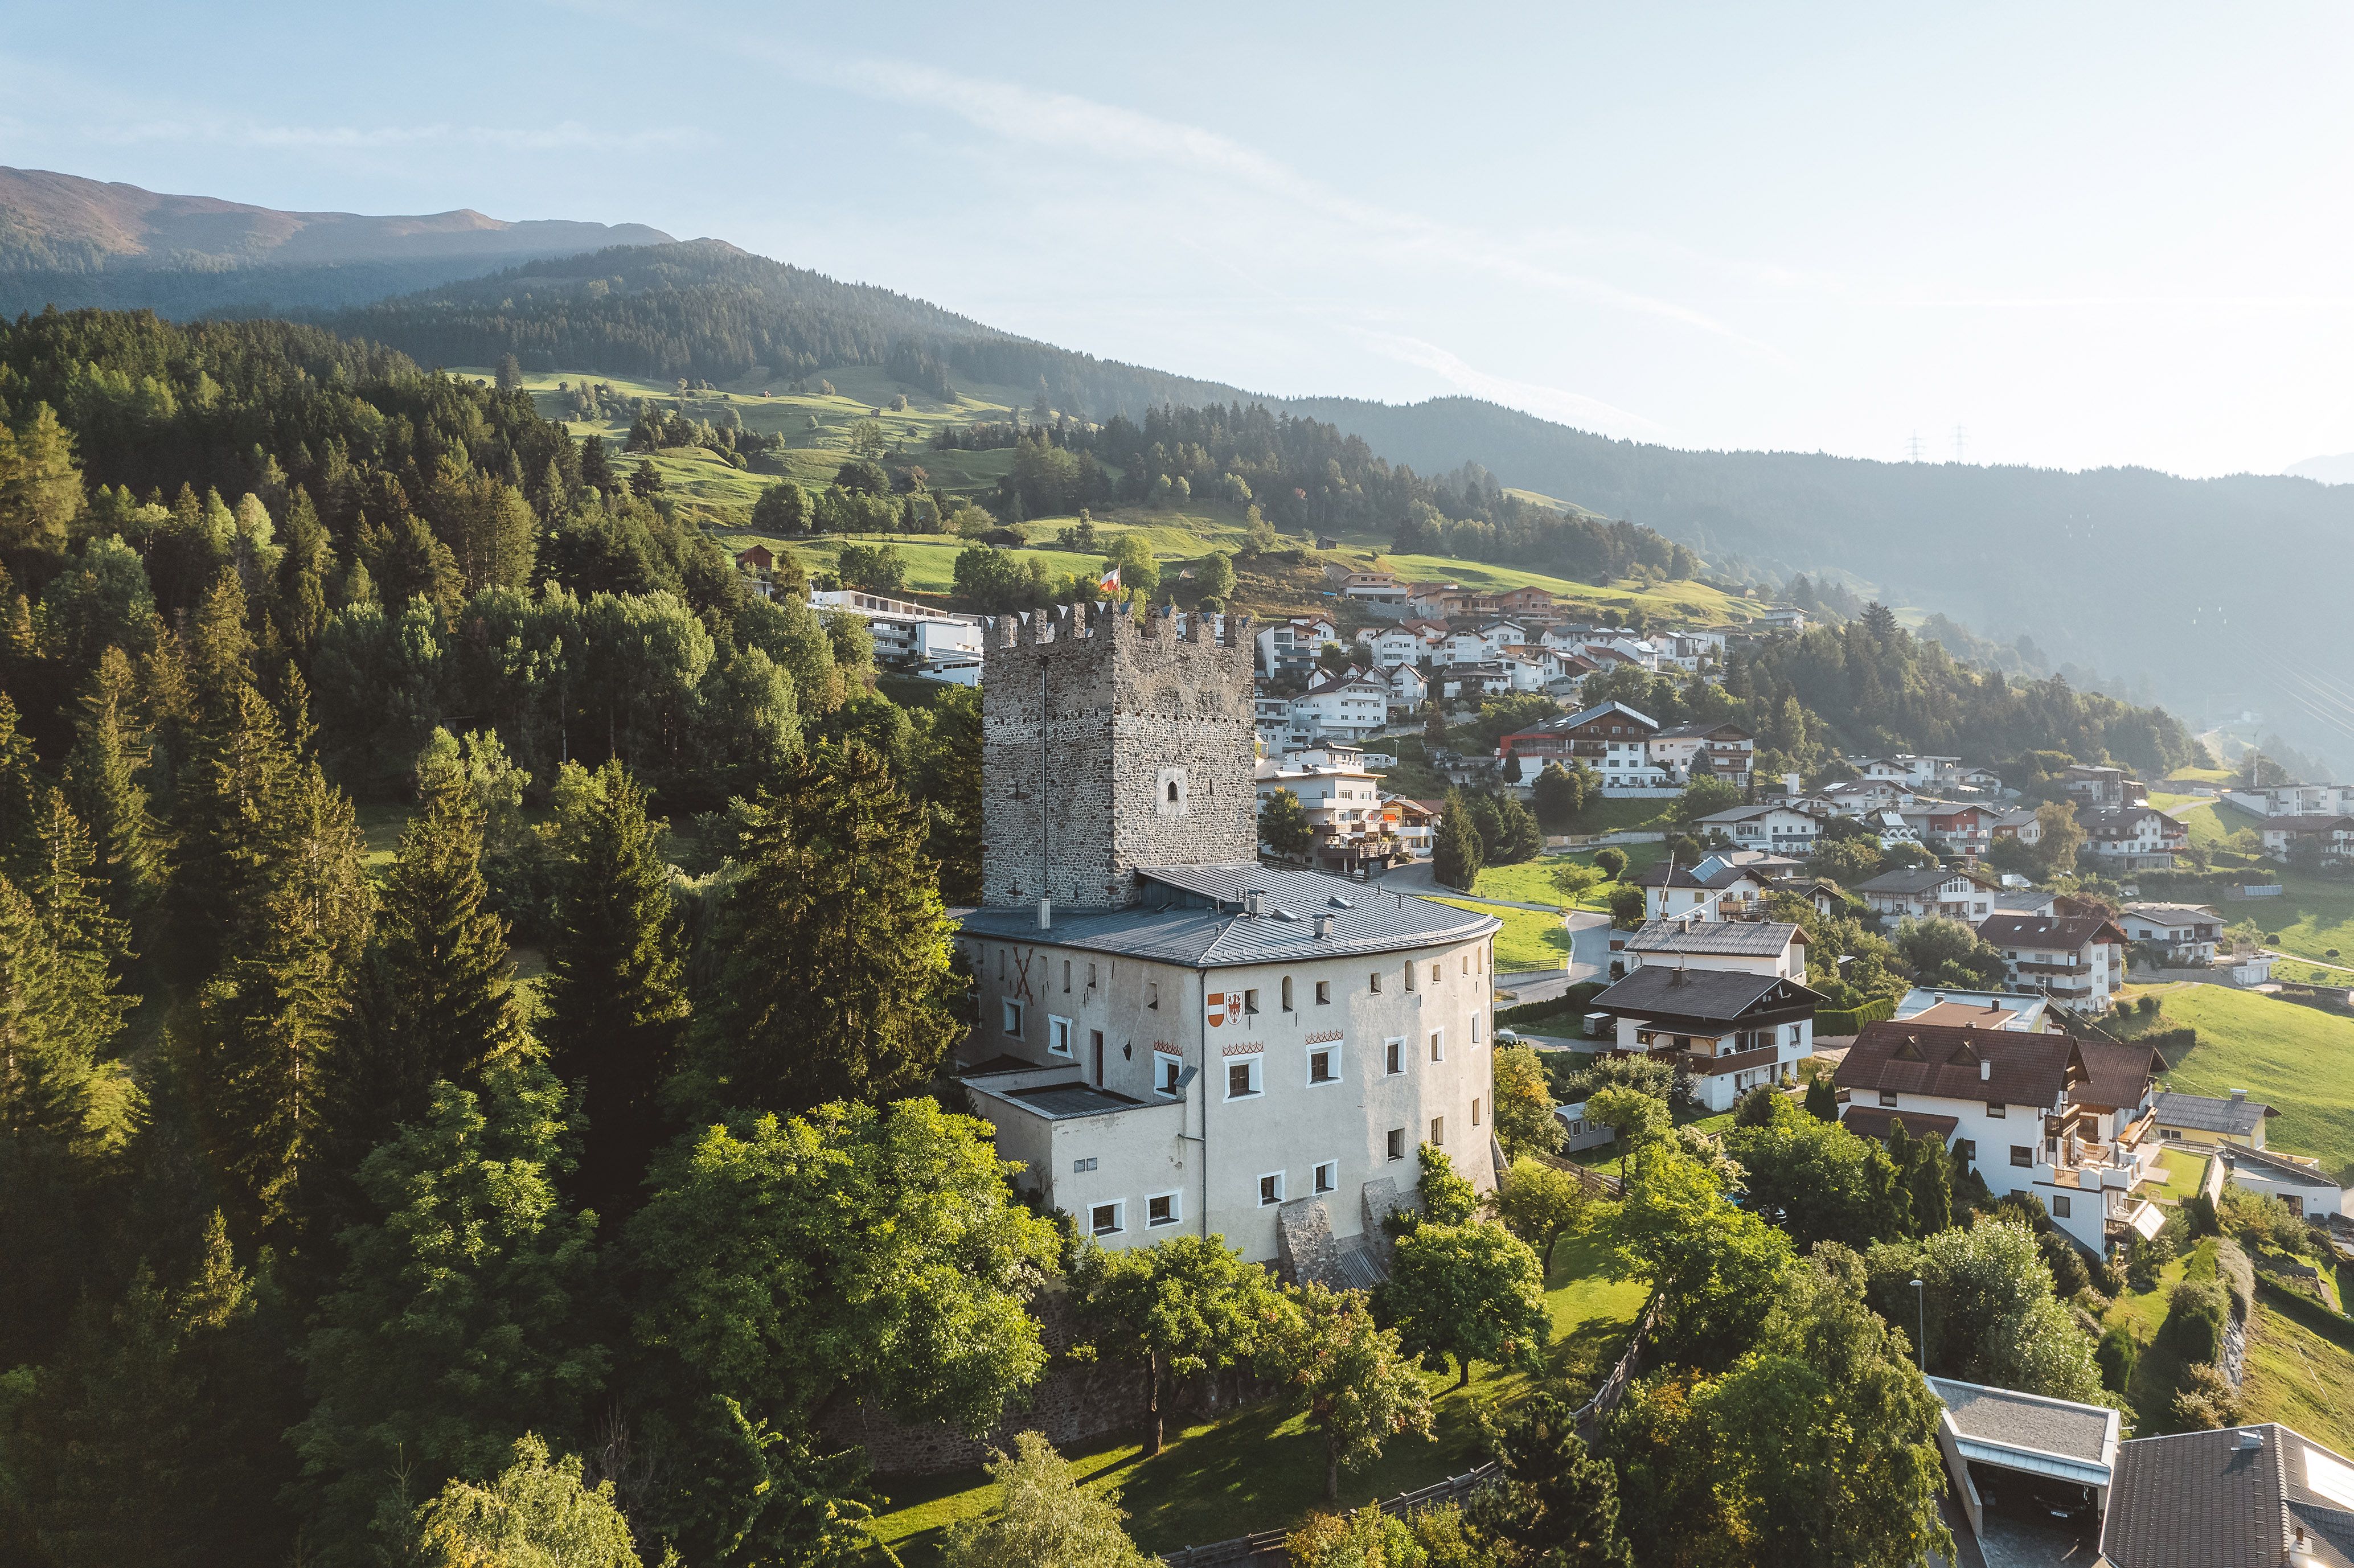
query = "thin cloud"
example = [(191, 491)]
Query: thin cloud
[(1067, 121), (1555, 402), (566, 136)]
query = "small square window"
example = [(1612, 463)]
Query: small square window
[(2059, 1205), (1888, 1096), (1966, 1149), (1327, 1176), (1081, 1167), (1394, 1145), (1013, 1018), (1319, 1067), (1437, 1131), (2022, 1155), (1323, 992), (1250, 1000), (1996, 1109), (1160, 1210), (1393, 1056), (1165, 1069), (1058, 1035), (1270, 1189), (1242, 1079), (1104, 1219)]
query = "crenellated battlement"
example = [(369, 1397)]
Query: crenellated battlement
[(1110, 743)]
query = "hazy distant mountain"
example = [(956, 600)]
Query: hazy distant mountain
[(72, 241), (2338, 469)]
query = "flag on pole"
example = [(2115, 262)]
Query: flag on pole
[(1109, 581)]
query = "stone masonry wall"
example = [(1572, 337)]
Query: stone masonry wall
[(1132, 717)]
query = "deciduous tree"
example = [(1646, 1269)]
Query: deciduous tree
[(1187, 1305), (1042, 1515), (1358, 1388)]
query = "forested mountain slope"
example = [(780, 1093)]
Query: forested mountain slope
[(71, 241)]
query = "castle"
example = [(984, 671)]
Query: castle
[(1173, 1038)]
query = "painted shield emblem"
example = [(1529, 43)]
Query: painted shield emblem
[(1218, 1002)]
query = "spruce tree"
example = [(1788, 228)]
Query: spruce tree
[(101, 784), (302, 575), (435, 1000), (1929, 1178), (615, 991), (21, 790), (220, 646), (1455, 852), (838, 984), (234, 801)]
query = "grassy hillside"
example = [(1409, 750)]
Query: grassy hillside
[(2296, 1059)]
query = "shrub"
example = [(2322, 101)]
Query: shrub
[(2069, 1275), (2237, 1275), (2204, 1401), (2193, 1328), (1611, 863), (2110, 1276), (2115, 1354), (2199, 1215)]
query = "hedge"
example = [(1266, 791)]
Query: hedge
[(1568, 1004), (2334, 1326), (2172, 1045), (1852, 1019)]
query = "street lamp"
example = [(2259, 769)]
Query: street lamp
[(1921, 1311)]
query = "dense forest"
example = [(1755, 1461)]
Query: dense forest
[(704, 310), (313, 1216)]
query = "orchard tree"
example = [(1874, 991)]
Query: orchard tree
[(1349, 1377), (1541, 1204), (1283, 824), (1473, 1291), (1042, 1516), (1524, 1102), (1188, 1305)]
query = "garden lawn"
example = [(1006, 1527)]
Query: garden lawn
[(2296, 1059), (2184, 1172), (1674, 600), (1530, 940), (1620, 816), (2159, 1372), (1262, 1467), (1530, 881)]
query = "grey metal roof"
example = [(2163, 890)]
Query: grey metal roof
[(1744, 938), (1918, 879), (2005, 1418), (2204, 1113), (2278, 1168), (1193, 915), (2232, 1498), (1061, 1100), (1721, 994)]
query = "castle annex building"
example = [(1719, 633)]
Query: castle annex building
[(1173, 1038)]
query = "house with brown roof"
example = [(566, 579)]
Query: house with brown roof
[(2078, 960), (2329, 838), (1727, 1030), (1917, 892), (2244, 1497), (2063, 1119)]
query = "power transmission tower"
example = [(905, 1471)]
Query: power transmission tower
[(1959, 436), (1912, 447)]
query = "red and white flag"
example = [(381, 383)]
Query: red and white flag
[(1109, 581)]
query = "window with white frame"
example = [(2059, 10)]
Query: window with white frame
[(1165, 1071), (1327, 1176), (1104, 1219), (1393, 1055), (1058, 1035), (1888, 1096), (1163, 1209), (1324, 1063), (1270, 1189), (1012, 1017), (1243, 1077)]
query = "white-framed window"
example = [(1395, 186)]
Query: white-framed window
[(1270, 1189), (1058, 1035), (1393, 1055), (1163, 1209), (1324, 1062), (1888, 1096), (1012, 1017), (1438, 1131), (1081, 1167), (1996, 1109), (1328, 1177), (1243, 1077), (1105, 1219), (1475, 1029), (1165, 1069), (1439, 1044), (1323, 993), (1394, 1144)]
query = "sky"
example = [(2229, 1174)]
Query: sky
[(2070, 237)]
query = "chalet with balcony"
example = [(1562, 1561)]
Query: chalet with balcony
[(2078, 960), (1728, 1031), (1611, 739), (1917, 892), (2329, 839), (2065, 1119), (2183, 932), (1783, 829)]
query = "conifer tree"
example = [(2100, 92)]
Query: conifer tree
[(91, 943), (155, 1437), (233, 802), (1455, 852), (302, 575), (58, 1024), (21, 789), (267, 1021), (220, 646), (838, 982), (101, 784), (615, 991), (435, 998), (459, 1318)]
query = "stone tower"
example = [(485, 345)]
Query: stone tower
[(1108, 747)]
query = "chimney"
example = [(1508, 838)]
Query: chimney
[(2251, 1439), (1045, 914), (1323, 926), (1985, 1069), (2239, 1096), (1255, 902)]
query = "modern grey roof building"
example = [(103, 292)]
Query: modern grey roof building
[(2236, 1117), (1717, 938), (2245, 1496)]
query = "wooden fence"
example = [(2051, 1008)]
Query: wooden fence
[(1266, 1548)]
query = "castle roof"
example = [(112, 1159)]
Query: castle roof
[(1196, 916)]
